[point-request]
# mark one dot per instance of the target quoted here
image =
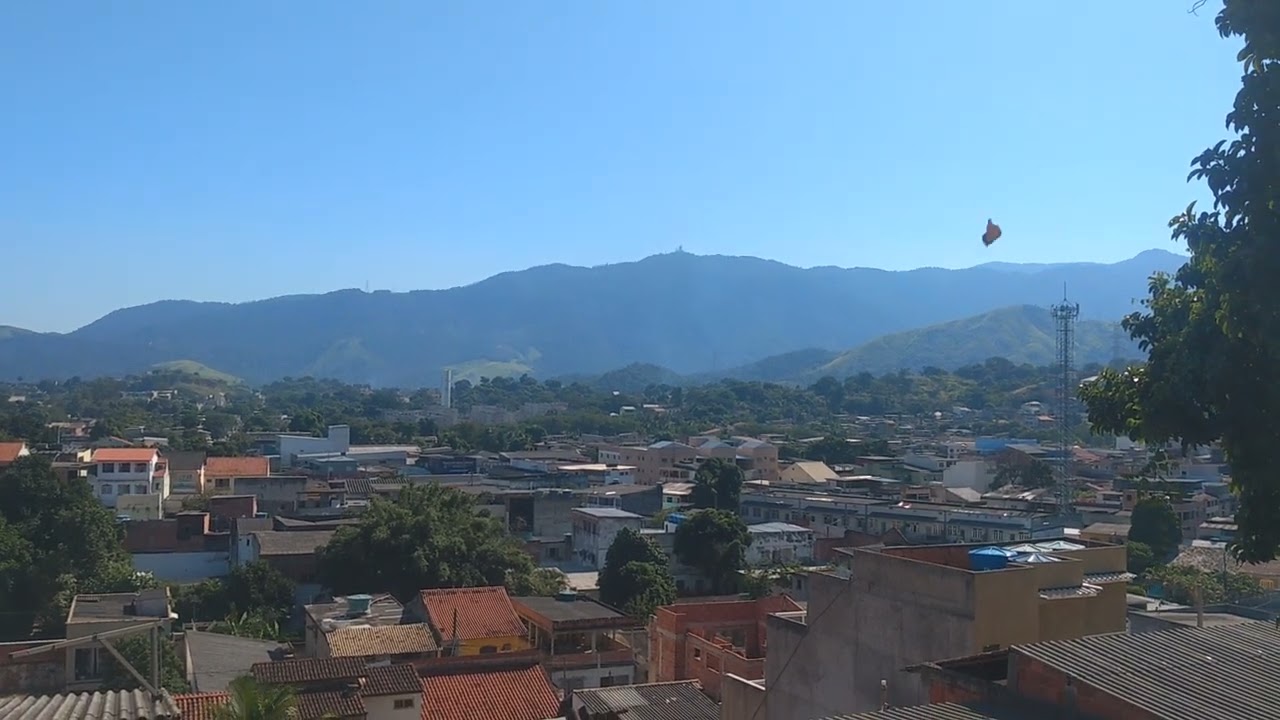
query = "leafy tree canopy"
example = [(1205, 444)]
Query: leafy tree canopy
[(717, 484), (637, 576), (430, 537), (715, 543), (1156, 525), (1211, 331)]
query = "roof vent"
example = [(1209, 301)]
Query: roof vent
[(566, 596), (358, 605)]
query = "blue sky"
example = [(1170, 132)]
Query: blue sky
[(239, 150)]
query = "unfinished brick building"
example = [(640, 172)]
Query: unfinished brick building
[(703, 641)]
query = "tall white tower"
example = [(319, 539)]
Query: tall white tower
[(446, 388)]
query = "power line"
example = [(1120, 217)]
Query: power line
[(786, 663)]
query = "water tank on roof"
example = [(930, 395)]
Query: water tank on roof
[(566, 596), (988, 558), (358, 605)]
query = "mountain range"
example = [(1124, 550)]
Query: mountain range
[(689, 314)]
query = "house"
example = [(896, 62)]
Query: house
[(346, 688), (683, 700), (886, 608), (117, 473), (109, 705), (11, 451), (368, 627), (778, 543), (578, 639), (179, 549), (492, 687), (220, 473), (675, 495), (703, 641), (594, 529), (643, 500), (602, 473), (94, 614), (471, 621), (292, 553)]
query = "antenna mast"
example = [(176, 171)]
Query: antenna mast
[(1065, 315)]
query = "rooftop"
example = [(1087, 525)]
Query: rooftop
[(277, 542), (578, 610), (308, 670), (200, 706), (383, 610), (476, 613), (682, 700), (229, 467), (131, 455), (776, 527), (369, 641), (398, 679), (110, 705), (523, 693), (217, 659), (607, 512), (1217, 673), (941, 711), (142, 606), (9, 451)]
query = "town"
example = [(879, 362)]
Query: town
[(843, 563)]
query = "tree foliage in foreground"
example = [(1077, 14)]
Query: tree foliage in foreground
[(637, 576), (251, 700), (430, 537), (717, 484), (1212, 331), (56, 540)]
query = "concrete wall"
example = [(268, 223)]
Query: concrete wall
[(741, 699), (338, 440), (41, 674), (183, 567)]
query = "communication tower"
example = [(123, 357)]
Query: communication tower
[(1065, 315)]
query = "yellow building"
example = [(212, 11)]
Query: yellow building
[(472, 621)]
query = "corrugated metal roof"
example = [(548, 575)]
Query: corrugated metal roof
[(681, 700), (1221, 673), (115, 705), (941, 711)]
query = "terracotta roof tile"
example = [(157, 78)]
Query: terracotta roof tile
[(307, 670), (9, 451), (135, 455), (233, 467), (317, 705), (381, 640), (482, 612), (399, 679), (200, 706), (517, 694)]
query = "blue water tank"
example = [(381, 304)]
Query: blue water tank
[(988, 558)]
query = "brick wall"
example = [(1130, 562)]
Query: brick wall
[(1034, 680), (39, 674), (673, 625)]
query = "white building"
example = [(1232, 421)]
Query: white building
[(120, 472), (603, 473), (775, 543), (336, 442), (594, 529)]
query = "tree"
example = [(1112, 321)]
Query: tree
[(715, 543), (1181, 583), (637, 575), (1140, 557), (57, 540), (1156, 525), (430, 537), (252, 700), (542, 582), (257, 587), (1211, 331), (717, 484), (1015, 468)]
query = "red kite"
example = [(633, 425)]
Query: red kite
[(992, 234)]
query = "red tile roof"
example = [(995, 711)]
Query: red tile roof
[(9, 451), (233, 467), (200, 706), (483, 612), (308, 670), (318, 705), (399, 679), (134, 455), (515, 694)]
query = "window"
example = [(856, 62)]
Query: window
[(87, 664), (140, 489), (506, 647), (122, 490), (108, 468), (139, 467), (404, 704), (697, 653), (222, 483), (488, 649), (106, 489)]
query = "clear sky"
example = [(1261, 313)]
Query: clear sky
[(244, 149)]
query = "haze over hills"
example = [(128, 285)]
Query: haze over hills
[(688, 313)]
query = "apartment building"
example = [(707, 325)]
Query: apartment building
[(671, 461), (123, 473)]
